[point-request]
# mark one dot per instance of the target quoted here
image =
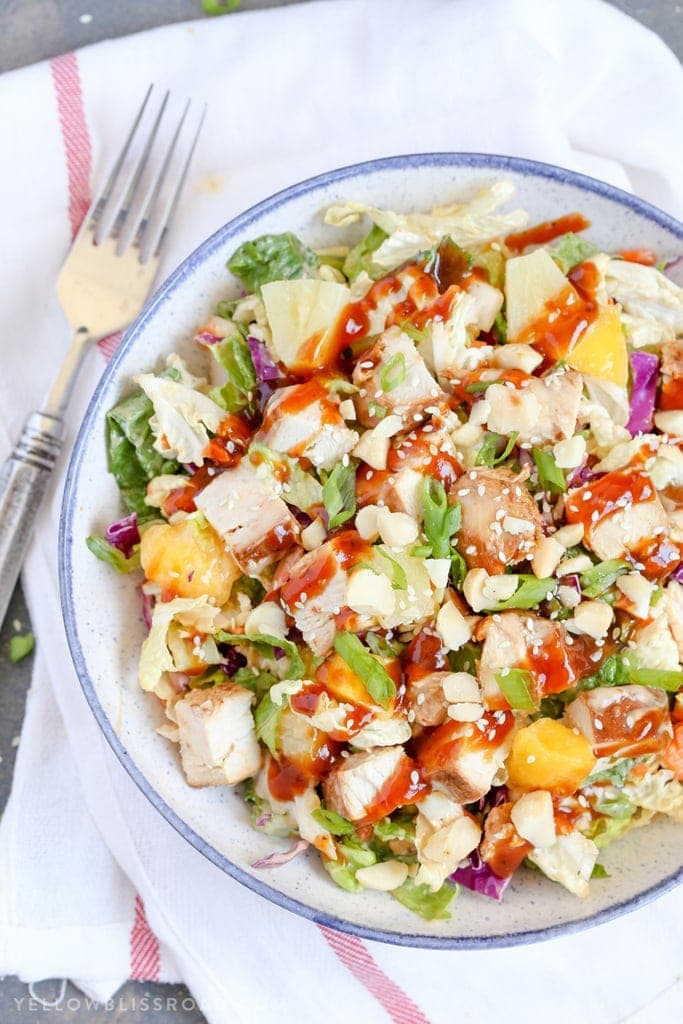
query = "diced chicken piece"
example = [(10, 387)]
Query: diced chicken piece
[(502, 847), (315, 593), (427, 700), (558, 395), (569, 861), (672, 359), (487, 498), (524, 640), (543, 409), (462, 758), (368, 786), (425, 451), (382, 731), (304, 421), (623, 514), (393, 377), (625, 720), (254, 522), (444, 835), (218, 745), (674, 612)]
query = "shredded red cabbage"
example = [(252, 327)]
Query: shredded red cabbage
[(124, 533), (678, 573), (147, 608), (644, 374), (265, 368), (275, 860), (582, 475), (478, 876), (232, 660)]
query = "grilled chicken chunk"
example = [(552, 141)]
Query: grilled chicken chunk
[(393, 377), (254, 522), (218, 745), (626, 720), (427, 700), (501, 523), (622, 514), (314, 592), (461, 759), (370, 785), (304, 421), (425, 451), (524, 640)]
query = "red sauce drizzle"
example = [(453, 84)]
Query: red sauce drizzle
[(539, 234), (424, 654), (288, 778), (445, 742), (610, 494), (353, 324), (397, 791), (645, 256), (671, 397), (502, 847)]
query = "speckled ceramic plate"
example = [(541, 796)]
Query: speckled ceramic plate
[(102, 611)]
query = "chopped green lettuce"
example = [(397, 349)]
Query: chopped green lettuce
[(550, 475), (110, 554), (334, 823), (267, 719), (267, 645), (529, 593), (20, 646), (359, 258), (601, 577), (495, 449), (300, 488), (131, 456), (237, 393), (369, 670), (570, 249), (432, 906), (272, 258)]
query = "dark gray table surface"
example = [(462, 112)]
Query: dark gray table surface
[(31, 30)]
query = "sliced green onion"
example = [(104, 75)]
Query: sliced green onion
[(517, 687), (394, 372)]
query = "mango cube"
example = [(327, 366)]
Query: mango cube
[(188, 559), (548, 755), (601, 352)]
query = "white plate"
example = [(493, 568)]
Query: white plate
[(102, 610)]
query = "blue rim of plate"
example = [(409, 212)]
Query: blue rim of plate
[(481, 161)]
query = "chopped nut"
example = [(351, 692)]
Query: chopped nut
[(452, 627), (314, 535), (592, 618), (547, 556)]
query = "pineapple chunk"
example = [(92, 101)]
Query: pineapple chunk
[(601, 352), (530, 282), (548, 755), (188, 559), (301, 315)]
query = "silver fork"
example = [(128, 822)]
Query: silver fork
[(103, 284)]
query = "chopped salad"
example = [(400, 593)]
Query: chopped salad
[(412, 547)]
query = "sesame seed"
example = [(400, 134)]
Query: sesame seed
[(420, 698), (414, 777), (530, 759)]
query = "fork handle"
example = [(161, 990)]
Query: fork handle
[(23, 482)]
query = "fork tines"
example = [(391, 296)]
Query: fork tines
[(142, 192)]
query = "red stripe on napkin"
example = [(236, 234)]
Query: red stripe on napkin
[(357, 958), (145, 958), (66, 78), (67, 83)]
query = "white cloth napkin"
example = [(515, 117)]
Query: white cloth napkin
[(291, 92)]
